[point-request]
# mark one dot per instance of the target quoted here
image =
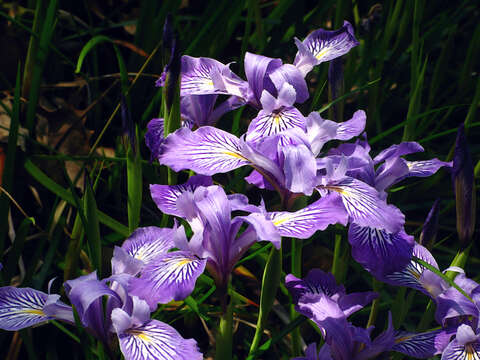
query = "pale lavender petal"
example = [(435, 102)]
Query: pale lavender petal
[(320, 131), (148, 242), (322, 45), (290, 74), (154, 340), (240, 202), (351, 303), (304, 223), (426, 168), (353, 127), (165, 196), (169, 276), (379, 251), (422, 345), (365, 207), (391, 172), (264, 230), (398, 150), (205, 76), (465, 335), (206, 151), (263, 164), (300, 169), (21, 308), (124, 263), (452, 304), (154, 136), (465, 346), (257, 68), (86, 293)]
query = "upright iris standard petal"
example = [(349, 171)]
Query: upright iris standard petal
[(24, 307), (289, 74), (323, 45), (398, 150), (379, 251), (86, 293), (305, 222), (364, 205), (257, 69), (320, 131), (206, 151), (152, 340), (168, 276), (165, 196)]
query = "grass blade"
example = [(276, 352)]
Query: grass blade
[(66, 195)]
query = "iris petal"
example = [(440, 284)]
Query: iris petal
[(21, 307), (305, 222), (169, 276), (157, 340), (206, 151)]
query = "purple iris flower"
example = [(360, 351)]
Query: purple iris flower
[(125, 316), (458, 317), (164, 275), (323, 45), (376, 232), (320, 299)]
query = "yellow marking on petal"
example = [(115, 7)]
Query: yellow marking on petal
[(338, 189), (141, 335), (415, 274), (280, 221), (276, 119), (322, 54), (34, 312), (183, 262), (235, 155), (403, 338)]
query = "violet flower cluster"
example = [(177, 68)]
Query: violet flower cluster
[(286, 151)]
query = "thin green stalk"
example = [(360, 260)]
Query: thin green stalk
[(270, 282), (336, 263), (225, 334), (296, 268), (41, 52), (375, 305), (134, 182)]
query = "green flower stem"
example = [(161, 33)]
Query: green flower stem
[(225, 334), (459, 260), (296, 271), (270, 283), (336, 262), (375, 305)]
